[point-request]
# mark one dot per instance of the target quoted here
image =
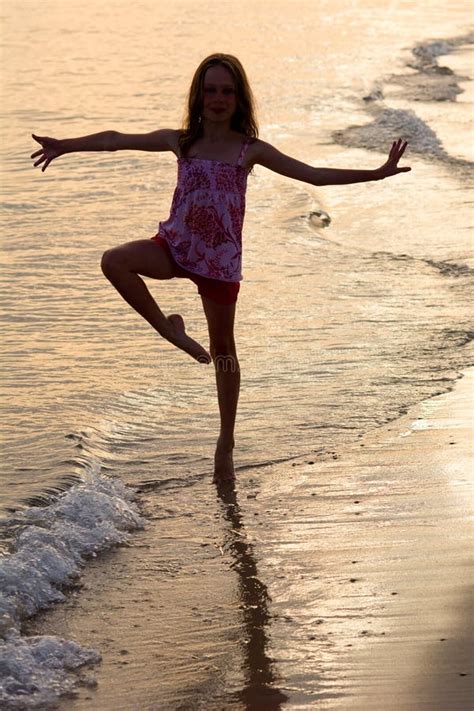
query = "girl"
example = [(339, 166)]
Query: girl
[(201, 240)]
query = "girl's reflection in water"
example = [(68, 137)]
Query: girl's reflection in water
[(260, 690)]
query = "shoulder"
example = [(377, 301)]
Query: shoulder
[(270, 157), (257, 152)]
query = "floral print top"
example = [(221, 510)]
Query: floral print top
[(204, 229)]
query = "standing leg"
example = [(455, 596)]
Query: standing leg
[(122, 266), (220, 321)]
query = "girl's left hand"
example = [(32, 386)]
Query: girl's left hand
[(391, 167)]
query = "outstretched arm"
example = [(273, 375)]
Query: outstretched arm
[(273, 159), (164, 139)]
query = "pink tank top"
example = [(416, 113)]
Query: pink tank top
[(204, 229)]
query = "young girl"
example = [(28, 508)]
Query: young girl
[(201, 239)]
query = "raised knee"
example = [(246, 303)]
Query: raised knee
[(110, 261)]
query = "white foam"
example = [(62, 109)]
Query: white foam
[(430, 83), (430, 50), (47, 554), (34, 671), (389, 125)]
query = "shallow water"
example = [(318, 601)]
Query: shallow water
[(342, 322)]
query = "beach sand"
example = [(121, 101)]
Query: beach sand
[(337, 581)]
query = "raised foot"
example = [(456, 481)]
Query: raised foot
[(223, 464), (181, 340)]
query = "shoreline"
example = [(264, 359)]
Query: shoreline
[(341, 583)]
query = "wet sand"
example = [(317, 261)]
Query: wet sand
[(335, 581)]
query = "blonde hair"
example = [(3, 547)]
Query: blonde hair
[(243, 120)]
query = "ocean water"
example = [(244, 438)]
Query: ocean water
[(355, 302)]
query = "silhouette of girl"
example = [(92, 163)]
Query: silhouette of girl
[(201, 239)]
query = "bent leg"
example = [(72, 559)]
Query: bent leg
[(220, 320), (122, 266)]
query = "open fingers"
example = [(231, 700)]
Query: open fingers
[(40, 152), (402, 149), (394, 147), (41, 160), (397, 150), (394, 150)]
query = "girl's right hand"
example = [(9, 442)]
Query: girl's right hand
[(50, 149)]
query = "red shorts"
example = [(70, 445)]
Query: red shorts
[(222, 292)]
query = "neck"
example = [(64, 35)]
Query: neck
[(216, 132)]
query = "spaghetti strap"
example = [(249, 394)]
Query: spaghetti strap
[(243, 151)]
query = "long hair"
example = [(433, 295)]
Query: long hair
[(243, 119)]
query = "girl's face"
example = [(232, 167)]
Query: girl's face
[(220, 98)]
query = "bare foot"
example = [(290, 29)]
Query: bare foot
[(181, 340), (223, 463)]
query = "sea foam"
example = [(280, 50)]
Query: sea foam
[(48, 553)]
